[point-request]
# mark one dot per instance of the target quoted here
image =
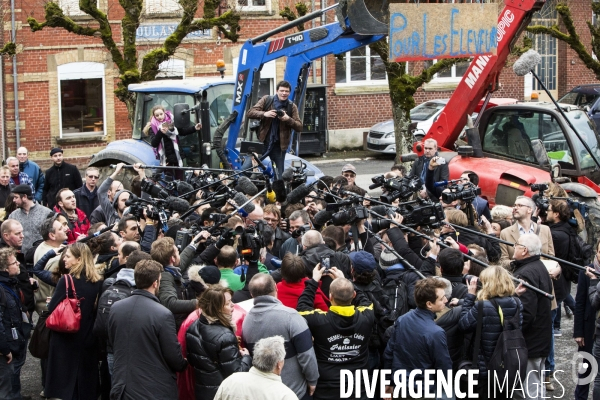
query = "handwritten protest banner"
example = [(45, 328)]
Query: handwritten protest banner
[(434, 31)]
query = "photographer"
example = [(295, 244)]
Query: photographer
[(456, 217), (112, 209), (298, 222), (439, 170), (278, 117), (481, 205)]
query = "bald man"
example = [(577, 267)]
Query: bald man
[(341, 341)]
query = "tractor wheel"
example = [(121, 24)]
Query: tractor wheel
[(126, 176), (592, 230)]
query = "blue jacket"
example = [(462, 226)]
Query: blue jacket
[(417, 343), (37, 178)]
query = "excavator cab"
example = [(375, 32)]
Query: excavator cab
[(367, 17)]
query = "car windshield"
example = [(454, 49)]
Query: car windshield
[(579, 99), (586, 130), (424, 111)]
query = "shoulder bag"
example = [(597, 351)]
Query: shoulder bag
[(66, 317)]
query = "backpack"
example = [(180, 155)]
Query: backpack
[(580, 252), (119, 290), (394, 304), (510, 355)]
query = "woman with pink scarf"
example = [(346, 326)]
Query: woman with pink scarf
[(166, 136)]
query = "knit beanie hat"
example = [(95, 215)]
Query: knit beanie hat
[(387, 259)]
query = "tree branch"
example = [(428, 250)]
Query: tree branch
[(9, 49)]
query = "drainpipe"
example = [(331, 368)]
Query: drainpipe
[(3, 123), (15, 76)]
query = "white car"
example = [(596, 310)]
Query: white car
[(381, 135)]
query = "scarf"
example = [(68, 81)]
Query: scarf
[(173, 135)]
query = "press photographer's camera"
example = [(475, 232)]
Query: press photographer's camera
[(280, 113)]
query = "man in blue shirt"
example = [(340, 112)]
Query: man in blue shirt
[(34, 172)]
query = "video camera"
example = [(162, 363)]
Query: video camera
[(426, 214), (153, 190), (397, 188), (349, 215), (541, 201), (465, 192)]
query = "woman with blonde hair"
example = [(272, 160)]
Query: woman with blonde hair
[(499, 305), (72, 371), (213, 349)]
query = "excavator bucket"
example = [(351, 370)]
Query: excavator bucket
[(368, 17)]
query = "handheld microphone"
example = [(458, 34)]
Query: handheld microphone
[(280, 190), (267, 170), (271, 196), (444, 183)]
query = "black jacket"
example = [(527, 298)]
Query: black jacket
[(563, 237), (214, 353), (168, 146), (147, 353), (584, 316), (23, 279), (278, 239), (491, 328), (341, 337), (491, 246), (455, 338), (171, 294), (312, 256), (10, 316), (86, 201), (537, 319), (440, 173), (459, 289), (64, 176), (4, 192)]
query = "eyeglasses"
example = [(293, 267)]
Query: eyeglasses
[(93, 176), (520, 205)]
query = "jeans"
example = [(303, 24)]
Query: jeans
[(277, 156), (569, 302), (549, 364), (18, 364), (110, 361), (6, 374)]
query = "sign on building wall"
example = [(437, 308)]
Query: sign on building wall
[(162, 31), (434, 31)]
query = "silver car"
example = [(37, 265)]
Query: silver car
[(381, 136)]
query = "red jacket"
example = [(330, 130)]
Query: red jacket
[(81, 227), (288, 294)]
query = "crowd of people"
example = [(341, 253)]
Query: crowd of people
[(274, 303)]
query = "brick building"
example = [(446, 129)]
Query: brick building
[(66, 82)]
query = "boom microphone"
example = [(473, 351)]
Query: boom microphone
[(240, 199), (322, 217), (408, 157), (288, 175), (381, 210), (246, 186), (184, 187), (298, 194), (526, 62), (176, 204), (280, 190)]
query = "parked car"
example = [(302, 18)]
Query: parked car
[(381, 135), (587, 97)]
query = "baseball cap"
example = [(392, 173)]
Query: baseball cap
[(349, 167)]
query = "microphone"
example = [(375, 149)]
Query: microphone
[(322, 217), (280, 190), (526, 62), (444, 183), (271, 196), (178, 205), (298, 194), (239, 199), (184, 187), (408, 157), (381, 210), (245, 185), (267, 170), (288, 175)]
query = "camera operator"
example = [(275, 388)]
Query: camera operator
[(298, 221), (278, 117), (272, 215), (314, 249), (481, 205), (112, 209)]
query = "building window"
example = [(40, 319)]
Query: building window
[(453, 74), (163, 7), (81, 98), (360, 67), (253, 5), (171, 69)]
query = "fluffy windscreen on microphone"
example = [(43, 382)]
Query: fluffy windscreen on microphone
[(527, 62), (322, 217), (280, 190), (184, 187), (381, 210), (298, 194), (409, 157), (246, 186), (178, 205), (288, 175), (240, 199)]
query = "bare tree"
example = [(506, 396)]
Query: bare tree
[(125, 56), (571, 37)]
